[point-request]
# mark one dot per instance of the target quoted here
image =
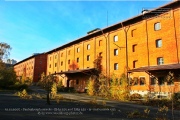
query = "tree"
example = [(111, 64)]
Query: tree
[(97, 65), (48, 82), (7, 75), (4, 50)]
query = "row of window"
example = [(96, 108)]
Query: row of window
[(69, 61), (136, 81), (157, 26), (158, 45), (153, 81), (160, 61), (160, 81), (78, 50)]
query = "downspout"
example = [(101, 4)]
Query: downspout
[(175, 38), (83, 54), (94, 48), (109, 55), (65, 58), (147, 44), (74, 53), (125, 31)]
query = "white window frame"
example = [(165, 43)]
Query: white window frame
[(157, 26), (115, 38), (116, 66), (88, 47), (158, 43), (78, 50), (115, 52), (160, 60), (88, 57)]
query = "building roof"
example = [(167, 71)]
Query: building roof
[(156, 68), (77, 71), (32, 56), (132, 20)]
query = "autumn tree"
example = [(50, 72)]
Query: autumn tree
[(48, 82), (7, 75), (4, 50)]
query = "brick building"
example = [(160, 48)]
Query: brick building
[(145, 48), (31, 67)]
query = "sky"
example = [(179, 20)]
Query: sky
[(37, 26)]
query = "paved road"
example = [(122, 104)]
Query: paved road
[(121, 106), (13, 108)]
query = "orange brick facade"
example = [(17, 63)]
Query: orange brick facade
[(149, 39), (32, 67), (110, 43)]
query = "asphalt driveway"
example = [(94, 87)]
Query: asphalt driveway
[(74, 106)]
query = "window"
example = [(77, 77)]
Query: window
[(50, 66), (88, 57), (158, 43), (61, 63), (115, 38), (160, 61), (69, 61), (77, 82), (134, 47), (157, 26), (133, 32), (134, 63), (77, 60), (61, 54), (142, 80), (78, 49), (69, 52), (135, 81), (170, 82), (100, 42), (161, 80), (130, 80), (100, 54), (115, 66), (153, 80), (88, 47), (55, 65), (115, 52)]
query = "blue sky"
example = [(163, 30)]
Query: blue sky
[(31, 26)]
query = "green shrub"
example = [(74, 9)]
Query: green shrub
[(66, 89), (18, 86)]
